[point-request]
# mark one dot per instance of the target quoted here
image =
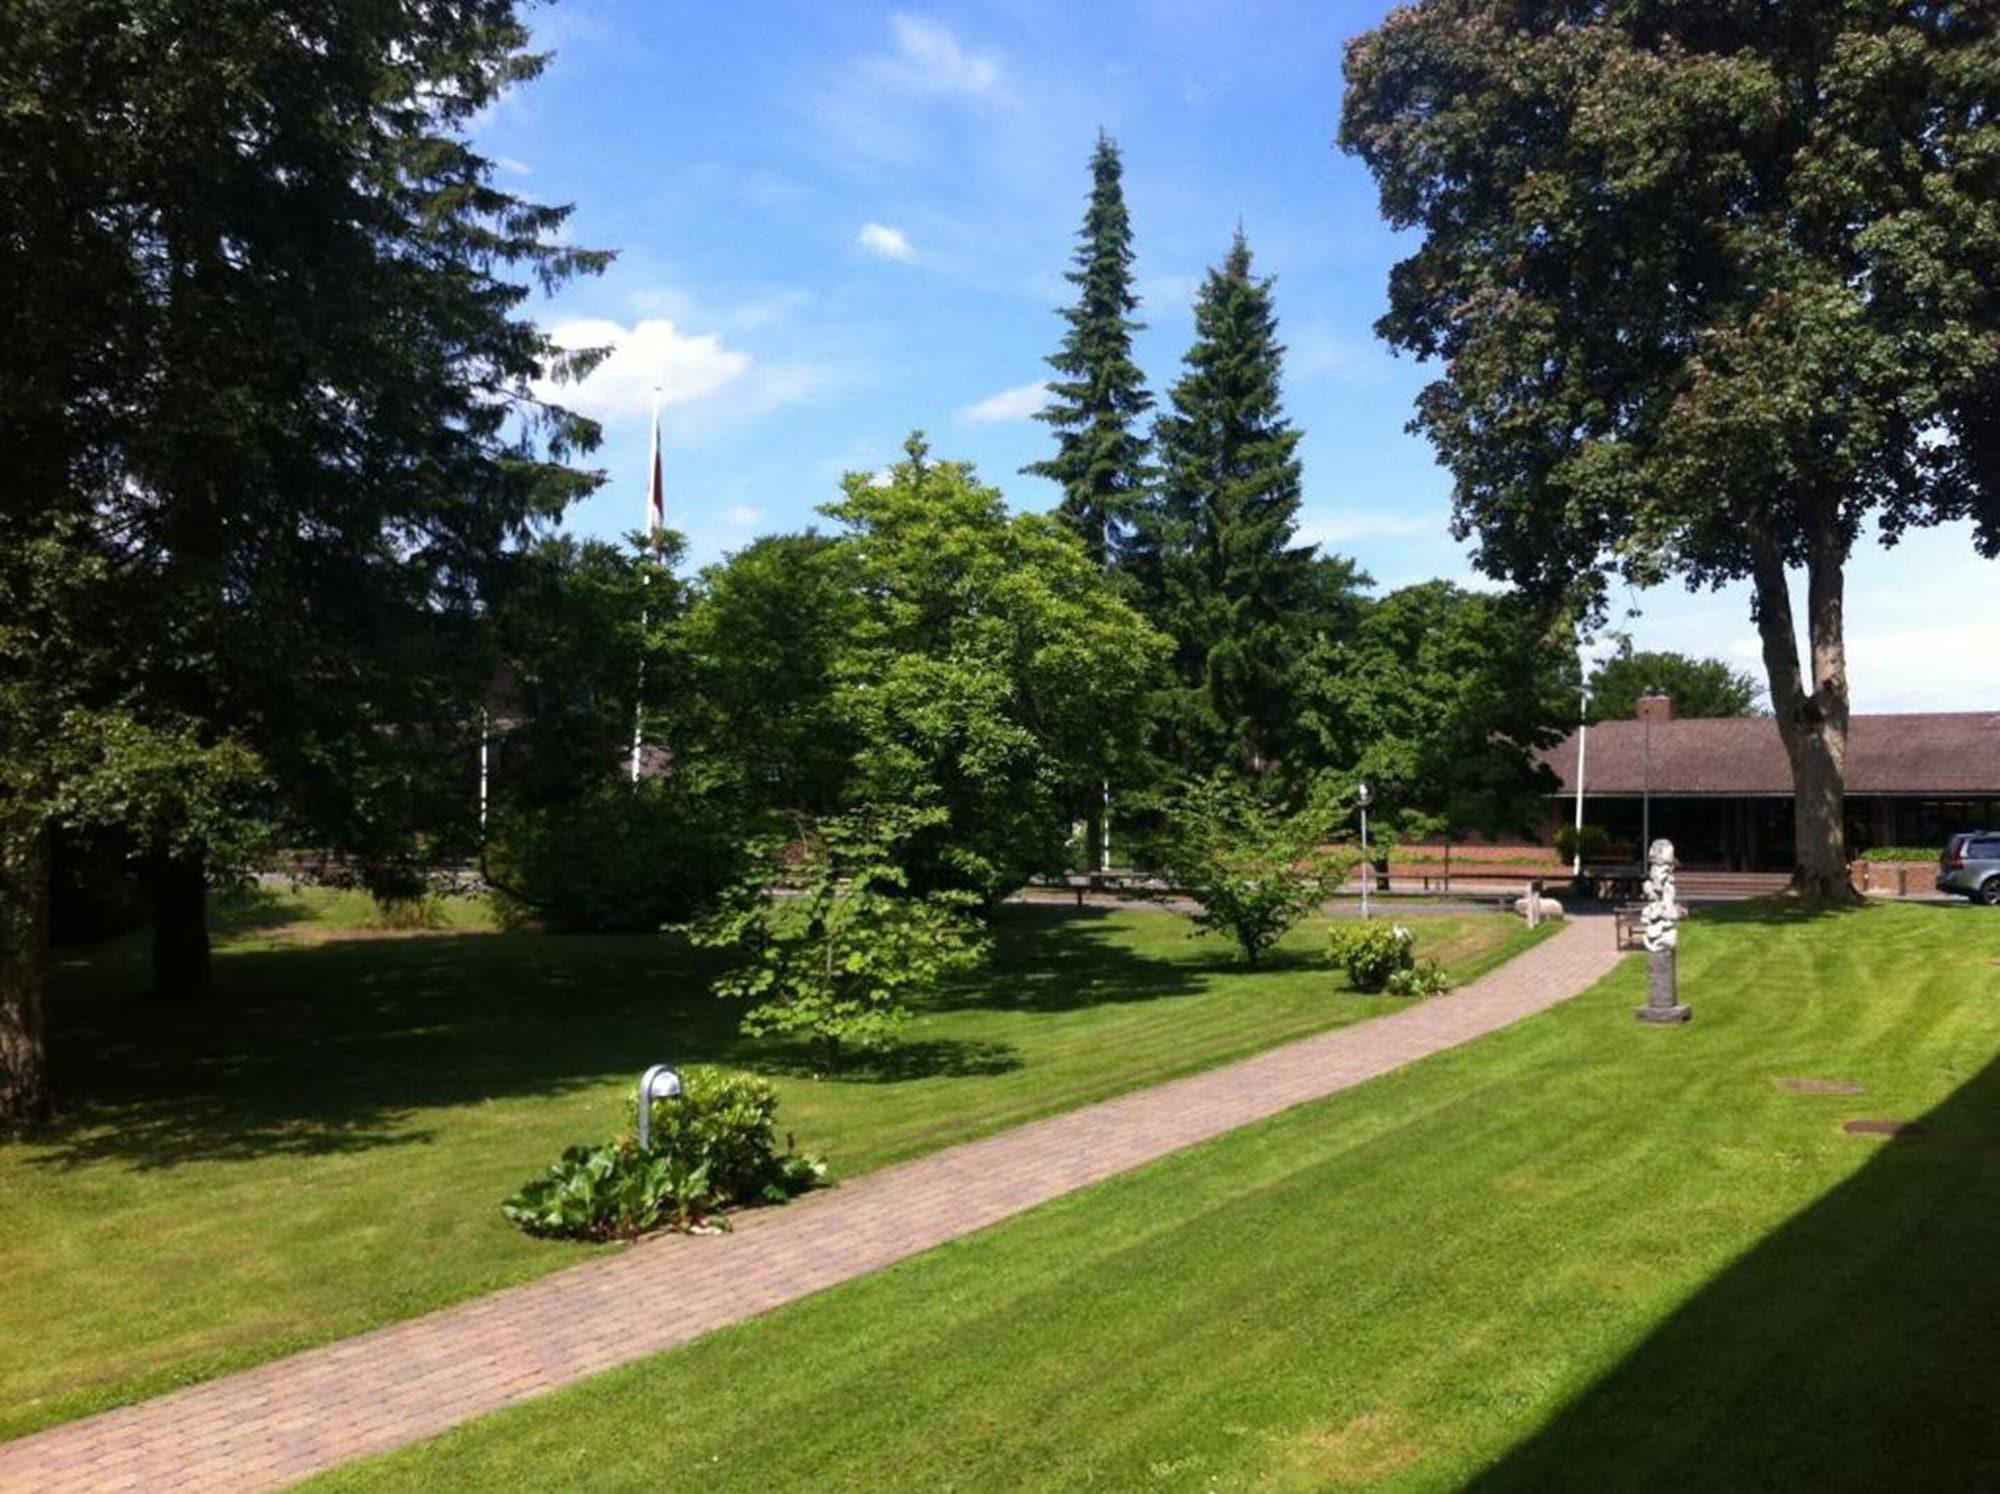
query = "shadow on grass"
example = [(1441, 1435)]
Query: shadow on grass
[(330, 1047), (1050, 958), (940, 1059), (1781, 911), (1857, 1347)]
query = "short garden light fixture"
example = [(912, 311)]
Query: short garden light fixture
[(660, 1082)]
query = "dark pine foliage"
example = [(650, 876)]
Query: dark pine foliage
[(1216, 557), (1099, 399)]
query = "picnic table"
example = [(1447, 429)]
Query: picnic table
[(1614, 881)]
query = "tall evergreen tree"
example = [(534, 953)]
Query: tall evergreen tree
[(270, 423), (1097, 403), (1227, 582)]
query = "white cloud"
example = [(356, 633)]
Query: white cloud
[(890, 243), (930, 59), (647, 356), (1009, 404), (1343, 529), (885, 105), (1318, 351), (743, 516), (513, 167)]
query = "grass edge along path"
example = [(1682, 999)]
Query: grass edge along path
[(285, 1420)]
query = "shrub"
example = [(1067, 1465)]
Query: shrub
[(1252, 870), (714, 1146), (1424, 978), (1371, 953), (728, 1123), (1902, 853), (1591, 842), (627, 859), (835, 954)]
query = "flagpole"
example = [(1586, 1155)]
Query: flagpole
[(656, 512)]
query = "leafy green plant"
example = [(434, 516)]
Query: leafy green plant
[(628, 858), (607, 1192), (1373, 954), (833, 942), (1590, 842), (1252, 870), (713, 1146), (1424, 978)]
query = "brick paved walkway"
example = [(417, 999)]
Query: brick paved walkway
[(285, 1420)]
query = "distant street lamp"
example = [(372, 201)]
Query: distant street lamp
[(1646, 779), (1582, 758), (1364, 796)]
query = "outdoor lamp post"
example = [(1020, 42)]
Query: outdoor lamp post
[(660, 1082), (1364, 796), (1646, 780), (1582, 760)]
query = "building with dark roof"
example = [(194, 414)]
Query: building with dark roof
[(1721, 787)]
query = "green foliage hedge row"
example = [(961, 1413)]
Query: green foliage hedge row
[(1902, 853)]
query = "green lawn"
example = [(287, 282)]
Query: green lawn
[(325, 1147), (1579, 1254)]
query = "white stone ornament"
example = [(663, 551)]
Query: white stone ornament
[(1657, 924)]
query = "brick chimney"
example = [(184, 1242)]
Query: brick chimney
[(1656, 706)]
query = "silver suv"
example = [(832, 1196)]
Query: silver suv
[(1970, 866)]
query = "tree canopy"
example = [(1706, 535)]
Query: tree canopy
[(269, 416), (1440, 698), (1099, 395), (1217, 557), (1697, 687), (1712, 288), (991, 667)]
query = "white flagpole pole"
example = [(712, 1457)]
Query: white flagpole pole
[(653, 475)]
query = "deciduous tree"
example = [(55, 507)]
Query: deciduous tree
[(1698, 687), (1713, 290)]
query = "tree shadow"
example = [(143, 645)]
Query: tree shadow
[(331, 1047), (1050, 958), (945, 1058), (1780, 912), (1854, 1348)]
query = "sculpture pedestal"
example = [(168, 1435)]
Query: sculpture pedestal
[(1663, 990)]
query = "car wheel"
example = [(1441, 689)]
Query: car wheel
[(1989, 892)]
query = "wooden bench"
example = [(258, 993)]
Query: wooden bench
[(1625, 921)]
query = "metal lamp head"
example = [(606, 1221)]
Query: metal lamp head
[(1363, 794), (660, 1082)]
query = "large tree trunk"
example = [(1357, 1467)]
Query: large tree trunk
[(180, 928), (24, 974), (1812, 713)]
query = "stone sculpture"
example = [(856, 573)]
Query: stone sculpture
[(1660, 932)]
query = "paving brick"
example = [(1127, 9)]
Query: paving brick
[(270, 1426)]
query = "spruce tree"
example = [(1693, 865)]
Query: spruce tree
[(1097, 403), (1227, 582)]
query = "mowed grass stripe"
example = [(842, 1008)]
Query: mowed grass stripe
[(326, 1148), (1578, 1253)]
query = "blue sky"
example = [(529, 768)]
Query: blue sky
[(837, 223)]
